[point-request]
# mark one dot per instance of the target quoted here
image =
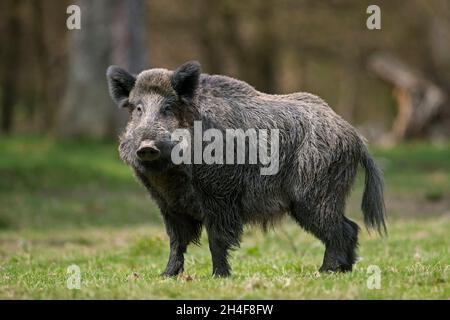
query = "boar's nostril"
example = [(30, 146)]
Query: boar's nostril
[(148, 151), (148, 154)]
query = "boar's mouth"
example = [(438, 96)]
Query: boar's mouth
[(155, 166)]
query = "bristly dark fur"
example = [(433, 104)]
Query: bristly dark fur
[(319, 156), (372, 203), (185, 79), (120, 83)]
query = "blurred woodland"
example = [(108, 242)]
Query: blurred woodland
[(393, 83)]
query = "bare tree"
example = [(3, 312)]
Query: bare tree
[(112, 32), (9, 81), (256, 60), (418, 99)]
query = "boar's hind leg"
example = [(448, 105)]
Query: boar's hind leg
[(338, 233), (182, 230), (224, 228), (340, 249)]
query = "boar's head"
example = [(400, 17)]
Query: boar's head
[(159, 101)]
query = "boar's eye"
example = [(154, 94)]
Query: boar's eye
[(167, 110), (139, 109), (168, 107)]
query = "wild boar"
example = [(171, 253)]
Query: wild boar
[(318, 157)]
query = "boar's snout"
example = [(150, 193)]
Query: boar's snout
[(148, 151)]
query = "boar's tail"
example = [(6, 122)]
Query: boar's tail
[(373, 206)]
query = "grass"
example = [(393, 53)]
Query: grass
[(74, 203)]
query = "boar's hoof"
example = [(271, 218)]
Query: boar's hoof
[(335, 268), (221, 273), (172, 271)]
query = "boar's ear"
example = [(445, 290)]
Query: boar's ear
[(185, 79), (120, 83)]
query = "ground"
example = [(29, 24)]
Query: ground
[(74, 203)]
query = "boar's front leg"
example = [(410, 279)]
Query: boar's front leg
[(182, 230), (224, 228)]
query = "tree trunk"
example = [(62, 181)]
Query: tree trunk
[(207, 28), (256, 61), (112, 32), (11, 71), (42, 91)]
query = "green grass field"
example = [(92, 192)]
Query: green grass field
[(74, 203)]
